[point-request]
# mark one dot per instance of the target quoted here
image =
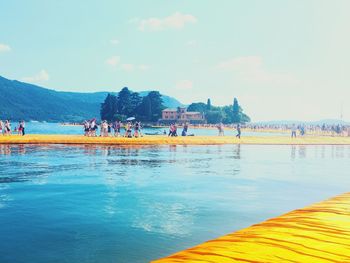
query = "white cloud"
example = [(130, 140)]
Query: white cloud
[(127, 67), (174, 21), (114, 42), (184, 85), (113, 61), (251, 68), (42, 76), (4, 48)]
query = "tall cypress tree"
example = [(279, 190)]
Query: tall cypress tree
[(109, 108), (144, 111), (236, 118), (135, 102), (124, 102), (208, 105), (157, 105)]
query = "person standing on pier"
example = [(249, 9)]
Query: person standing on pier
[(221, 129), (116, 127), (7, 127), (20, 128)]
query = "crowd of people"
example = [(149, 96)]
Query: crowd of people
[(173, 130), (303, 129), (112, 129), (299, 129), (134, 129), (5, 128)]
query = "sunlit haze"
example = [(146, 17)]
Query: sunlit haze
[(283, 60)]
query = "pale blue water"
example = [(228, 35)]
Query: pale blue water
[(113, 204)]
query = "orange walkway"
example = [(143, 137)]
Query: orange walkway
[(318, 233), (159, 140)]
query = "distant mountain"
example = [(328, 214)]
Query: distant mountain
[(19, 100)]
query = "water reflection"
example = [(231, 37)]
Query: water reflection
[(237, 152), (41, 161), (145, 199), (320, 151), (302, 151), (292, 153)]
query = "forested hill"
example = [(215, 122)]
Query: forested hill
[(19, 100)]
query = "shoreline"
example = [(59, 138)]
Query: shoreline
[(165, 140)]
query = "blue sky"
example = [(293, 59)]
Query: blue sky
[(281, 59)]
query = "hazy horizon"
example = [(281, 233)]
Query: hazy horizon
[(282, 60)]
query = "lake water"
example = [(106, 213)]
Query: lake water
[(56, 128), (133, 204)]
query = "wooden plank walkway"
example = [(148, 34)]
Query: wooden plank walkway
[(318, 233)]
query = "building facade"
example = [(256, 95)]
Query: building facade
[(181, 115)]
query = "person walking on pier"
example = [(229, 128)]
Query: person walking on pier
[(238, 131), (136, 130), (294, 131), (171, 129)]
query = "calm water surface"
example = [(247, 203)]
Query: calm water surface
[(56, 128), (113, 204)]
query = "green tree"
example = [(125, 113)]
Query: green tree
[(214, 117), (145, 109), (208, 105), (109, 108), (228, 114), (124, 102), (244, 118), (135, 102), (156, 105), (236, 112), (119, 117), (197, 106)]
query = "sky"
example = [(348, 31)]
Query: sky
[(283, 60)]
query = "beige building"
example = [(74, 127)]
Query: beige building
[(181, 115)]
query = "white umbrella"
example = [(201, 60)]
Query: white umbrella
[(130, 119)]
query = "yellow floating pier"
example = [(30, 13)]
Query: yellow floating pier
[(318, 233), (159, 140)]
